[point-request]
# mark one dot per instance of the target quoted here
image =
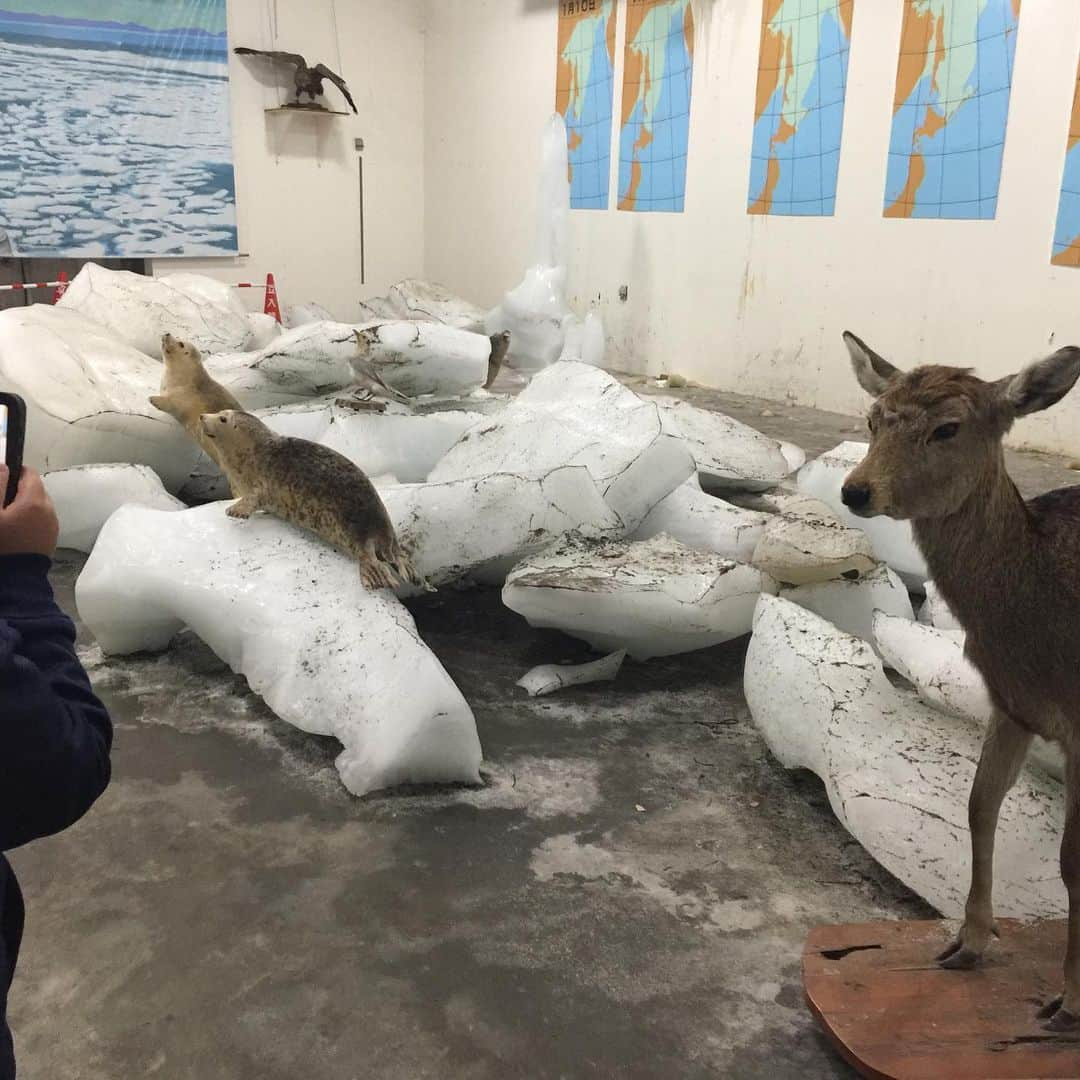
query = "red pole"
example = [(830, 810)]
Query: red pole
[(62, 287), (271, 306)]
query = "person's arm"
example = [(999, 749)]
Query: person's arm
[(55, 735)]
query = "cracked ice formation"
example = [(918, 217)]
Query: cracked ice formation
[(933, 661), (547, 678), (378, 309), (264, 329), (851, 606), (730, 455), (892, 540), (651, 598), (139, 309), (573, 414), (289, 613), (87, 395), (704, 522), (804, 542), (427, 301), (897, 773), (480, 528), (87, 495), (428, 358), (536, 311), (584, 340)]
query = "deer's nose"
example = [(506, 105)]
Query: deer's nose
[(855, 496)]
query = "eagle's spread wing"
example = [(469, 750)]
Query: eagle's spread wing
[(282, 57), (337, 80)]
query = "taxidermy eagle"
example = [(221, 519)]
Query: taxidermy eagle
[(309, 80)]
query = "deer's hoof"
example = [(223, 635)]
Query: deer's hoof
[(1057, 1018), (959, 957)]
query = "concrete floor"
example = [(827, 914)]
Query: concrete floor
[(626, 897)]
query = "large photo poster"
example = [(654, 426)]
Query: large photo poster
[(114, 129)]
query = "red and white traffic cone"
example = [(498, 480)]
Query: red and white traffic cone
[(271, 306), (62, 287)]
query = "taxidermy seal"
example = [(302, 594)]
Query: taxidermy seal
[(187, 391), (313, 487), (308, 80), (500, 346)]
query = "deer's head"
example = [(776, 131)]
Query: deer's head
[(936, 431)]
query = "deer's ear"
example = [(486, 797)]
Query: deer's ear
[(873, 372), (1041, 384)]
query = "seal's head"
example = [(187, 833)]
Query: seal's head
[(173, 349)]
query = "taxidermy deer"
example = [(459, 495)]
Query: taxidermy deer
[(1009, 569)]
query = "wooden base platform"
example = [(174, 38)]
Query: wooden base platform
[(895, 1015)]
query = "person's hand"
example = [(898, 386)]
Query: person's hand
[(29, 526)]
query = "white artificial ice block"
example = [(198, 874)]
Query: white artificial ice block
[(804, 542), (704, 522), (897, 772), (290, 614), (138, 310), (87, 395), (86, 496), (378, 309), (479, 529), (264, 330), (651, 598), (933, 661), (583, 340), (850, 605), (795, 456), (893, 542), (536, 311), (730, 455), (574, 414), (427, 358), (935, 612), (547, 678), (305, 314), (428, 301)]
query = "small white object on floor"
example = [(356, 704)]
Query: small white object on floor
[(805, 542), (138, 309), (704, 522), (850, 605), (86, 496), (547, 678), (730, 455), (428, 301), (933, 661), (892, 540), (897, 772), (651, 598), (290, 614), (935, 612)]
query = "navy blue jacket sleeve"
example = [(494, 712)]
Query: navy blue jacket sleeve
[(55, 735)]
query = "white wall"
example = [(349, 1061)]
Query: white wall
[(298, 176), (750, 303)]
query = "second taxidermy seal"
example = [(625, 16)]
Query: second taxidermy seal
[(187, 391), (311, 486), (500, 346)]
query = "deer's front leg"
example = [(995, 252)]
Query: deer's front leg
[(1002, 756), (1063, 1013)]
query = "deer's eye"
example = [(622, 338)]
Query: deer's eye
[(946, 431)]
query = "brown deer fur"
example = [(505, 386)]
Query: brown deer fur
[(1009, 569)]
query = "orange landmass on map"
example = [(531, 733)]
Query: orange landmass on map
[(915, 38), (846, 8), (688, 32), (1074, 123), (905, 204), (1070, 256), (629, 200), (763, 203)]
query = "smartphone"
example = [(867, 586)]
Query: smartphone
[(12, 437)]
